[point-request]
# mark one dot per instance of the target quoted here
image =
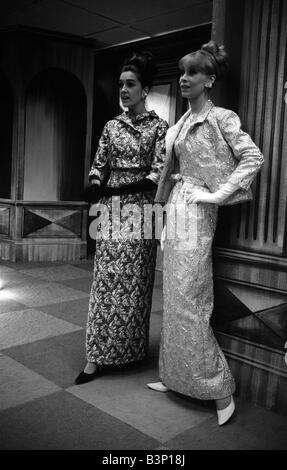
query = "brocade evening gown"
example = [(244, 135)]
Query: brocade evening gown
[(121, 292)]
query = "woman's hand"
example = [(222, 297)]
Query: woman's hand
[(196, 195), (219, 196), (92, 192), (163, 238)]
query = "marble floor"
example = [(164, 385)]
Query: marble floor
[(43, 309)]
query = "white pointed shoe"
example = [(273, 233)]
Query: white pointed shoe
[(158, 387), (225, 414)]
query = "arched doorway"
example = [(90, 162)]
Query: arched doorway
[(55, 133)]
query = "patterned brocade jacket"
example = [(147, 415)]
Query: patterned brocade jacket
[(131, 150), (220, 150)]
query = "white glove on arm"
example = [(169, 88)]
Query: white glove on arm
[(197, 195)]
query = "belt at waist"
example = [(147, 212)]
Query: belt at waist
[(187, 179)]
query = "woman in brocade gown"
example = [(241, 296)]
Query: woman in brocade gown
[(210, 161), (132, 149)]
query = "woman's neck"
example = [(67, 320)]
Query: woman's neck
[(135, 111), (197, 104)]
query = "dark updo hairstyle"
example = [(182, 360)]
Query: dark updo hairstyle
[(210, 59), (143, 65)]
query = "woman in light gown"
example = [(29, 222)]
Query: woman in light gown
[(210, 161)]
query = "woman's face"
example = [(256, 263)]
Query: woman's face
[(193, 83), (131, 90)]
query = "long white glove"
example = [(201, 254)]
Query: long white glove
[(196, 195)]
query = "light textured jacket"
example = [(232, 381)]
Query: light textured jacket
[(220, 149)]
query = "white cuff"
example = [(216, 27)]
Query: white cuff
[(224, 192)]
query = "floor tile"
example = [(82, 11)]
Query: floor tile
[(9, 305), (257, 299), (87, 264), (79, 284), (57, 273), (62, 421), (162, 448), (209, 436), (25, 326), (251, 428), (62, 357), (19, 384), (269, 427), (116, 410), (74, 311), (160, 415), (19, 265), (11, 279), (5, 269), (58, 359), (37, 294)]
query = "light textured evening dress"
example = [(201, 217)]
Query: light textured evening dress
[(191, 361), (121, 292)]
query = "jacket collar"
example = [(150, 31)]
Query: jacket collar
[(198, 118), (124, 117), (173, 131), (204, 112)]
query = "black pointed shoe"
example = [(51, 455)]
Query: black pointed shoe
[(85, 378)]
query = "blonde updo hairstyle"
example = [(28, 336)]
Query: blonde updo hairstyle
[(210, 59)]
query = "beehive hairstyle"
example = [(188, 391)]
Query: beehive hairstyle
[(143, 65), (210, 59)]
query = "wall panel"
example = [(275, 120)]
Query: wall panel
[(260, 226)]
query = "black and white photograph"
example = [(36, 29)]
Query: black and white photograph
[(143, 228)]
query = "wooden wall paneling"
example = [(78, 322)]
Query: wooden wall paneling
[(5, 220), (51, 222), (251, 43), (267, 125), (242, 227), (250, 262), (6, 135), (260, 275), (260, 371), (55, 137), (227, 29), (282, 188), (19, 148), (7, 223), (256, 225), (46, 53), (90, 77), (46, 251), (272, 123), (23, 56), (39, 52)]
